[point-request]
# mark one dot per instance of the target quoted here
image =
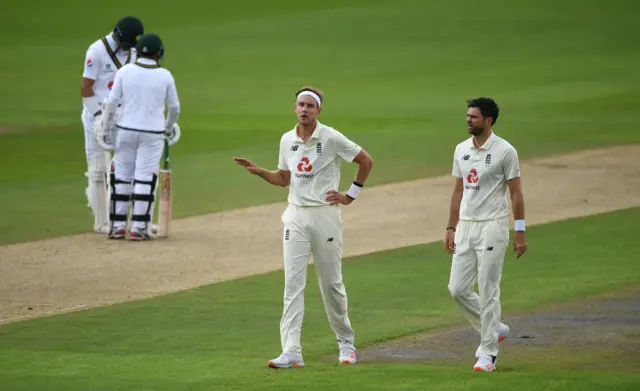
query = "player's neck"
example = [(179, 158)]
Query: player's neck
[(305, 131), (479, 140)]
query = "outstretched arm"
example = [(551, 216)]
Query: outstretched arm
[(277, 177)]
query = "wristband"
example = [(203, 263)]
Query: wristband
[(519, 225), (92, 103), (354, 190)]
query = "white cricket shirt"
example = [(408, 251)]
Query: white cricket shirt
[(314, 165), (485, 173), (143, 88), (101, 67)]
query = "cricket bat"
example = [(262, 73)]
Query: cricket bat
[(164, 195)]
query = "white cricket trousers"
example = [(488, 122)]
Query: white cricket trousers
[(137, 161), (480, 248), (313, 230)]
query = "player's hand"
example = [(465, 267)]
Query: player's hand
[(449, 241), (333, 197), (248, 164), (519, 243)]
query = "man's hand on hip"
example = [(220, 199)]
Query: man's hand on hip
[(333, 197)]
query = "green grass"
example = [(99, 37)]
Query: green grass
[(220, 336), (396, 77)]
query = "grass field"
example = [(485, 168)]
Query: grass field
[(396, 76), (220, 336)]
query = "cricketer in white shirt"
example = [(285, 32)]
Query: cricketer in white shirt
[(102, 61), (143, 89), (485, 167), (309, 160)]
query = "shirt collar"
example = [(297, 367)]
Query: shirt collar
[(315, 135), (487, 144), (146, 61), (112, 42)]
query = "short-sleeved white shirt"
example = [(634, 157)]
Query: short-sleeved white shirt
[(99, 66), (314, 165), (143, 88), (485, 173)]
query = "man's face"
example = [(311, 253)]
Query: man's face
[(307, 109), (476, 123)]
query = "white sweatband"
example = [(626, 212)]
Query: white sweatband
[(92, 103), (519, 225), (311, 94), (354, 190)]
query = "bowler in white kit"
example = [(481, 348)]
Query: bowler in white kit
[(102, 60), (143, 89), (309, 163), (485, 166)]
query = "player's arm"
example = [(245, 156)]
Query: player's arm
[(111, 103), (278, 177), (173, 104), (454, 206), (511, 167), (351, 152), (90, 74)]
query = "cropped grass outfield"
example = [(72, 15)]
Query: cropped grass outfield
[(396, 76)]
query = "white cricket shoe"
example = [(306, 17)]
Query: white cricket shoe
[(347, 356), (101, 230), (287, 360), (503, 332), (485, 364)]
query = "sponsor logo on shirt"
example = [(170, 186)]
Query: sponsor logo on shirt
[(472, 179), (304, 168)]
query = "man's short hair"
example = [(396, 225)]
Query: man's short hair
[(312, 89), (487, 106)]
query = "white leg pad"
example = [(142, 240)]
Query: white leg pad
[(97, 192)]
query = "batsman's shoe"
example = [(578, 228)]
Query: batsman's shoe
[(101, 230), (117, 233), (138, 236), (347, 356), (287, 360), (503, 332), (485, 364)]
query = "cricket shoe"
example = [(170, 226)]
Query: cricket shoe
[(347, 356), (287, 360), (485, 364), (101, 230), (117, 233), (503, 332), (137, 236)]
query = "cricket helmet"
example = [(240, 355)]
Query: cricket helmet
[(150, 44), (127, 32)]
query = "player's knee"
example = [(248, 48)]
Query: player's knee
[(457, 291)]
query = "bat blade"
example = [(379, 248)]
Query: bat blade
[(165, 202), (165, 195)]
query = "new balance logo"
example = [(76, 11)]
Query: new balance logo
[(489, 248), (294, 148), (466, 157), (487, 161), (319, 148), (329, 240), (286, 234)]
